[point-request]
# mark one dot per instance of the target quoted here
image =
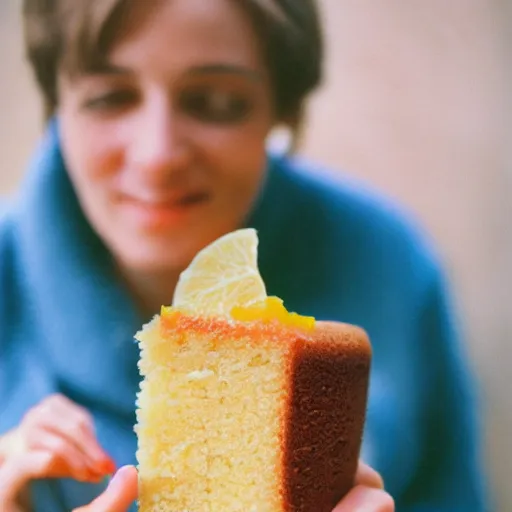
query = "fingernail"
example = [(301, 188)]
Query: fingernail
[(110, 466), (84, 475), (105, 468), (103, 463)]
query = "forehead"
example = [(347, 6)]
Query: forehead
[(187, 33)]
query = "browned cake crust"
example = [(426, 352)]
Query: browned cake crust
[(326, 416)]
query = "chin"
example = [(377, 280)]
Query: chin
[(156, 256), (164, 254), (149, 262)]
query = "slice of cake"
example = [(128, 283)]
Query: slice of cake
[(245, 406)]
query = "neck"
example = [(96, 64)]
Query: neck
[(150, 290)]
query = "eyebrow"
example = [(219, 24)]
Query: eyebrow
[(107, 68), (231, 69)]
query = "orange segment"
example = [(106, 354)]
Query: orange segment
[(269, 310), (223, 275)]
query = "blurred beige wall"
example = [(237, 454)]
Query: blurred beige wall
[(416, 102)]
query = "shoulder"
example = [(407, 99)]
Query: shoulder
[(334, 210), (344, 201)]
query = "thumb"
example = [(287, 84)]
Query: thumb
[(368, 477), (119, 495)]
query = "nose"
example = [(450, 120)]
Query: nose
[(159, 145)]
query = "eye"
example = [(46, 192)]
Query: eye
[(112, 100), (215, 106)]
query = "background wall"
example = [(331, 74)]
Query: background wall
[(417, 101)]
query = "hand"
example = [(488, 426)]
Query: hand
[(54, 440), (119, 495), (368, 495)]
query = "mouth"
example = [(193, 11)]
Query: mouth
[(163, 211), (191, 199)]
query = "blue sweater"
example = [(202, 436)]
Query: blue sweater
[(329, 247)]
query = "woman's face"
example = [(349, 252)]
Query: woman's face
[(166, 146)]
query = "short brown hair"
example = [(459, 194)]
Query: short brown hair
[(73, 34)]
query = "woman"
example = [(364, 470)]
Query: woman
[(159, 113)]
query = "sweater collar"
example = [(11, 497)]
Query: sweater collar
[(87, 320)]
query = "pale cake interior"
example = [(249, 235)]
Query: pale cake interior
[(211, 418)]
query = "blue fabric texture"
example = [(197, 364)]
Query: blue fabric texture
[(329, 247)]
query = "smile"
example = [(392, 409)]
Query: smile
[(163, 213)]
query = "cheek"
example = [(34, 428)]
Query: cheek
[(238, 154), (92, 155)]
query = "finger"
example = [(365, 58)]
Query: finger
[(37, 439), (69, 461), (79, 424), (366, 499), (16, 472), (51, 427), (368, 477), (61, 416), (119, 495)]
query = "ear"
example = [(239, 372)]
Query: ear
[(290, 128), (280, 139)]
